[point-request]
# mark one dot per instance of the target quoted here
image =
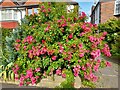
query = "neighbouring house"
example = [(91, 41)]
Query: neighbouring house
[(104, 10), (12, 11)]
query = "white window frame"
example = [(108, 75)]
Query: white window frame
[(6, 12), (116, 3), (70, 8)]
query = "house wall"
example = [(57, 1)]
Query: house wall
[(19, 15), (107, 10), (97, 14)]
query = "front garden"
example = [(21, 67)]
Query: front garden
[(55, 42)]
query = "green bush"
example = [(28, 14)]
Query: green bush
[(113, 38), (5, 33), (57, 42)]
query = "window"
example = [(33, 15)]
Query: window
[(70, 8), (29, 11), (15, 14), (117, 7), (36, 10), (6, 14)]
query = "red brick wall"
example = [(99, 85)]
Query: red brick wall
[(9, 24), (107, 10)]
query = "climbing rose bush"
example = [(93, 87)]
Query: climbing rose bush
[(54, 41)]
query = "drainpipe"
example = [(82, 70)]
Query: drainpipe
[(20, 14)]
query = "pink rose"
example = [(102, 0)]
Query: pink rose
[(70, 36), (54, 57)]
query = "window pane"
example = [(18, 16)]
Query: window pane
[(29, 11), (15, 14), (35, 10)]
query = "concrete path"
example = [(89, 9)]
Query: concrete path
[(109, 76)]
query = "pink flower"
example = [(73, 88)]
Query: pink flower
[(18, 40), (95, 53), (70, 36), (83, 68), (58, 72), (64, 75), (37, 69), (76, 70), (49, 9), (78, 66), (106, 50), (83, 14), (21, 83), (91, 38), (22, 78), (28, 83), (43, 41), (108, 64), (30, 55), (42, 7), (79, 61), (54, 57), (29, 73), (81, 34), (80, 46), (98, 60), (59, 21), (62, 17), (33, 26), (96, 68), (33, 79), (25, 47), (38, 52), (95, 78), (81, 55), (46, 29), (17, 47), (88, 65), (61, 49), (104, 33), (64, 24)]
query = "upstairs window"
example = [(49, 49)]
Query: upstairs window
[(117, 7), (6, 14), (70, 8), (9, 14)]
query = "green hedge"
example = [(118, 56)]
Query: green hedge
[(4, 32), (112, 26)]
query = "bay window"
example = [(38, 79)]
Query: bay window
[(117, 7)]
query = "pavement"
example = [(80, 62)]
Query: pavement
[(108, 77)]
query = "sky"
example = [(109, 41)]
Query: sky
[(86, 7)]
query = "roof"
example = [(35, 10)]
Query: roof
[(24, 3)]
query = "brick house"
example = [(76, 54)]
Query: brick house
[(104, 10), (12, 11)]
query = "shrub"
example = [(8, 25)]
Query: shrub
[(112, 26), (57, 42), (5, 33)]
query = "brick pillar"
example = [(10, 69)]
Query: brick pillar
[(32, 11), (26, 11)]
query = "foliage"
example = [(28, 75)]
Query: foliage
[(7, 73), (5, 33), (57, 42), (112, 26)]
